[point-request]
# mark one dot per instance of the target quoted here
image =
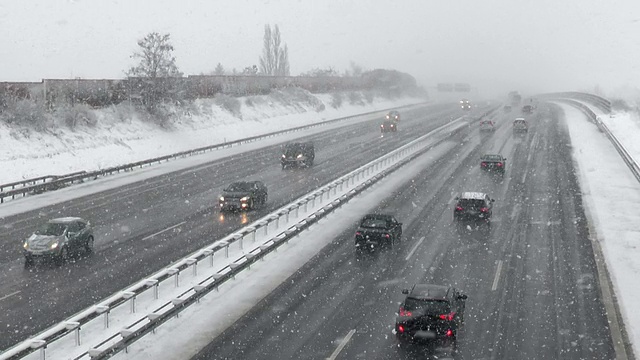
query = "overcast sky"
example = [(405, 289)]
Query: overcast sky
[(531, 45)]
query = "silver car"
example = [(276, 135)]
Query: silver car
[(57, 239)]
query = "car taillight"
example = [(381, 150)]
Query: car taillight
[(449, 333), (358, 233), (499, 164), (483, 164), (448, 316), (400, 328), (387, 236), (404, 312), (484, 209), (459, 208)]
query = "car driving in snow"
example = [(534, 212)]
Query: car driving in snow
[(465, 104), (298, 154), (487, 125), (473, 206), (243, 195), (376, 231), (493, 163), (388, 126), (393, 115), (520, 125), (57, 239), (430, 313)]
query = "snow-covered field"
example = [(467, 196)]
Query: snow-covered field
[(121, 136), (610, 192)]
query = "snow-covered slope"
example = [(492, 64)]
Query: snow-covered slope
[(121, 135)]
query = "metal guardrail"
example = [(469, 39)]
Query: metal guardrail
[(367, 175), (602, 103), (626, 156), (60, 182)]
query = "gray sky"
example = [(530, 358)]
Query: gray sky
[(530, 45)]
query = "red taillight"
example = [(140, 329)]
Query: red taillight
[(400, 328), (358, 233), (448, 317), (404, 312), (459, 208), (387, 236), (483, 164), (484, 210), (500, 164), (449, 333)]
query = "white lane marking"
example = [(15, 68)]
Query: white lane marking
[(415, 247), (342, 344), (497, 277), (165, 230), (10, 295)]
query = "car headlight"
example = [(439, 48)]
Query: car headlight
[(246, 198), (284, 156), (25, 245), (387, 116), (54, 245), (221, 198), (299, 156)]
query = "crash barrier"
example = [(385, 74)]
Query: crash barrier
[(343, 189), (626, 156), (600, 102), (31, 186)]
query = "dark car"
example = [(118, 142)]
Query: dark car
[(520, 125), (388, 126), (243, 195), (377, 230), (493, 163), (527, 109), (298, 154), (430, 313), (487, 125), (473, 206), (57, 239), (506, 108), (465, 104), (393, 115)]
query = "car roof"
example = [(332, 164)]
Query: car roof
[(473, 195), (519, 119), (491, 155), (429, 292), (65, 220), (378, 216)]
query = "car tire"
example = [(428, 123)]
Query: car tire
[(28, 262), (63, 256), (88, 247)]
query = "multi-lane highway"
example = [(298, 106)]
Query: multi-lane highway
[(530, 277), (126, 219)]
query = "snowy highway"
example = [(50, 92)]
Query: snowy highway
[(146, 225), (531, 278)]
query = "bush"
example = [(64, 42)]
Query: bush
[(25, 113), (369, 96), (355, 98), (229, 103), (75, 115), (336, 100)]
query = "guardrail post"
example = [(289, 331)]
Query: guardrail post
[(75, 326), (154, 283), (194, 264), (278, 222), (176, 273), (104, 310), (42, 345), (209, 253), (132, 296), (226, 251), (287, 214), (239, 237), (297, 210)]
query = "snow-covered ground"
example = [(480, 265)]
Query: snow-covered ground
[(121, 136), (610, 194)]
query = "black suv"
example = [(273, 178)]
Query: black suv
[(243, 195), (430, 312), (377, 230), (393, 115), (57, 239), (493, 162), (473, 206), (298, 154)]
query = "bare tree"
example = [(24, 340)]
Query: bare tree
[(275, 57), (219, 70), (156, 67)]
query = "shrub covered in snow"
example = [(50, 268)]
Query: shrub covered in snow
[(336, 100), (74, 115), (229, 103), (25, 113)]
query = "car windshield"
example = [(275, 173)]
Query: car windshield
[(293, 149), (427, 307), (51, 229), (374, 223), (240, 186)]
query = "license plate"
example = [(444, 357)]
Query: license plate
[(422, 334)]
